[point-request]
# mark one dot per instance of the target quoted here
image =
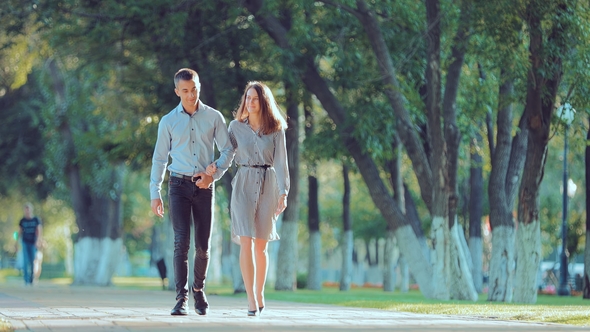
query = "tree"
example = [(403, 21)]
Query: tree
[(548, 45), (286, 270), (98, 208), (586, 276), (314, 269), (347, 238)]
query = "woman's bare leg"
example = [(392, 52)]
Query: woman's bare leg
[(248, 270), (261, 255)]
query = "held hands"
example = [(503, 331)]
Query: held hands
[(204, 180), (211, 169), (282, 205)]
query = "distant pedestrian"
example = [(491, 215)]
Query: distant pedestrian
[(189, 134), (30, 231), (260, 186)]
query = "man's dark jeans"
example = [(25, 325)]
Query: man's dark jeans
[(187, 203), (29, 253)]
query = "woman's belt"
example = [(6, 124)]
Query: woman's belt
[(264, 167), (256, 166)]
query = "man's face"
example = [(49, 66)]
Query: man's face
[(28, 212), (188, 91)]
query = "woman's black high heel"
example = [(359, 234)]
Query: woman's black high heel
[(251, 313), (260, 309)]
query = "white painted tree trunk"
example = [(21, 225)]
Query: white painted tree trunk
[(236, 273), (168, 250), (476, 249), (404, 271), (287, 261), (440, 257), (528, 257), (500, 285), (314, 271), (346, 271), (96, 260), (460, 282), (391, 255), (422, 271), (214, 273), (465, 247)]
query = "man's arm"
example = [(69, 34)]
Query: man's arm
[(226, 150), (159, 162), (227, 153)]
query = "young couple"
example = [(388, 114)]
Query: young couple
[(256, 138)]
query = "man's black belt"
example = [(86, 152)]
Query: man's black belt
[(185, 177)]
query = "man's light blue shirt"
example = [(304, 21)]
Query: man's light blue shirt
[(189, 140)]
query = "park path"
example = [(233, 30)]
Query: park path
[(51, 307)]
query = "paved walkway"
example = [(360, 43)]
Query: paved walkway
[(49, 307)]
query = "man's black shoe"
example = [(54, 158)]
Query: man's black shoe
[(180, 308), (201, 304)]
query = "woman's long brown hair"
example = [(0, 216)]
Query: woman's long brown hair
[(271, 115)]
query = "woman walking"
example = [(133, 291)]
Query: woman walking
[(260, 186)]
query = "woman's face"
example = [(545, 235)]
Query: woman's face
[(252, 101)]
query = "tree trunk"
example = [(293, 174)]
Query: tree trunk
[(543, 83), (461, 282), (507, 163), (287, 256), (236, 273), (586, 275), (476, 212), (412, 215), (98, 243), (314, 272), (389, 260), (391, 253), (528, 252), (168, 243), (502, 264), (347, 241)]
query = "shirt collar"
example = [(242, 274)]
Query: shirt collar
[(182, 110)]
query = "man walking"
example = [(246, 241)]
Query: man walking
[(188, 134), (30, 235)]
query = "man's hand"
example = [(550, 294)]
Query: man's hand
[(205, 181), (158, 207)]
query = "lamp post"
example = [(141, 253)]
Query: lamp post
[(566, 114)]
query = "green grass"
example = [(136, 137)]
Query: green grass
[(8, 273), (572, 310)]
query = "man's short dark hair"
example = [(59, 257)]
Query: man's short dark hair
[(186, 74)]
